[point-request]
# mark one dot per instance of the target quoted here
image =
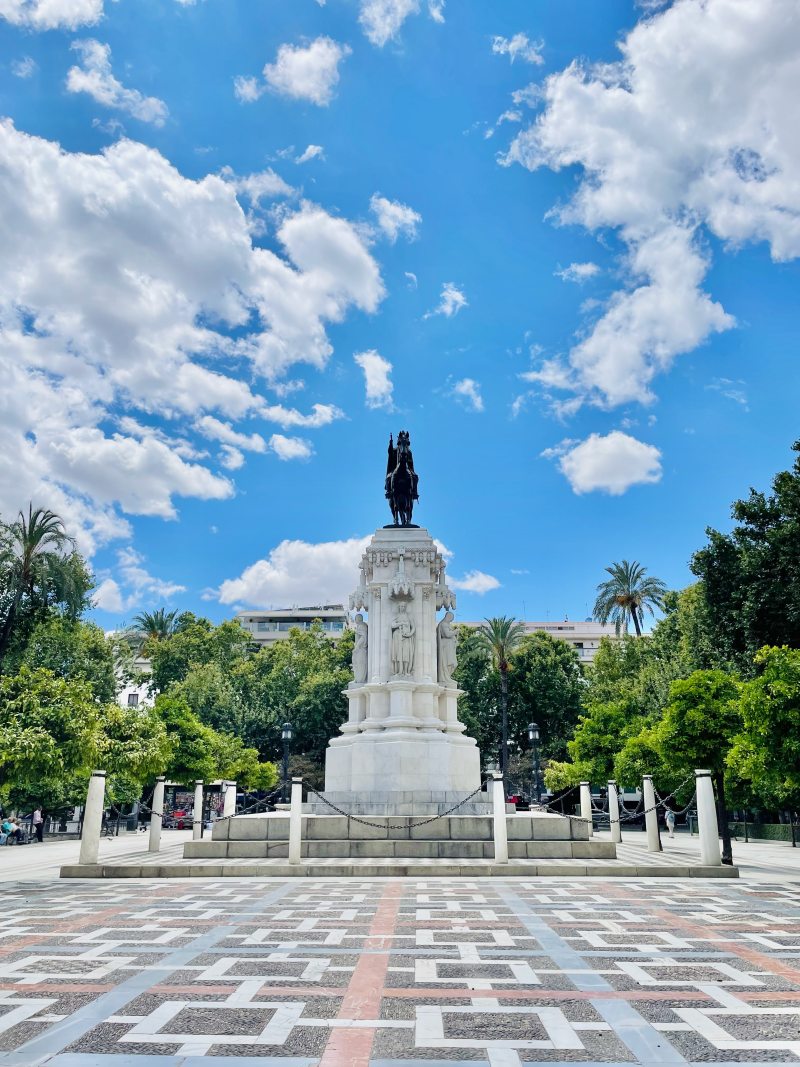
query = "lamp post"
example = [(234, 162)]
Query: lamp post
[(286, 734), (533, 737)]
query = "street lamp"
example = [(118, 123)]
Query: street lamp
[(533, 737), (286, 734)]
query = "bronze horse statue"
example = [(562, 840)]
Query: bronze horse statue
[(401, 480)]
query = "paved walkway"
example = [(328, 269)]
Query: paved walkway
[(399, 973)]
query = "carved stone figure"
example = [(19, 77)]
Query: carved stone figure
[(401, 479), (360, 651), (446, 649), (404, 641)]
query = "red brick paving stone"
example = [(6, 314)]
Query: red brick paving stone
[(352, 1046)]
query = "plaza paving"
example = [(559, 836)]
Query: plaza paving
[(398, 972)]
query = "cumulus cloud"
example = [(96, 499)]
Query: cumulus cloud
[(451, 301), (139, 287), (51, 14), (377, 381), (306, 72), (611, 464), (578, 272), (108, 596), (24, 68), (395, 218), (381, 19), (95, 77), (689, 130), (519, 47), (469, 391), (298, 572), (436, 10), (262, 185), (287, 448), (133, 586), (247, 89), (475, 582)]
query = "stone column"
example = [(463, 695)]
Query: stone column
[(197, 817), (229, 800), (613, 812), (93, 818), (157, 815), (500, 829), (651, 815), (295, 820), (710, 855), (586, 805)]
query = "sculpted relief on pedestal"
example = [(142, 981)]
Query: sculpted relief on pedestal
[(446, 649), (360, 651), (404, 642)]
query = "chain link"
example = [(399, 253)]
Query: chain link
[(382, 826)]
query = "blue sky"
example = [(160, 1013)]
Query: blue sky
[(557, 242)]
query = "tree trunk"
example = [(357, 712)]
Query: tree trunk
[(722, 819), (504, 712), (636, 626)]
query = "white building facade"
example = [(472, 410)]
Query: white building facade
[(266, 627), (585, 637)]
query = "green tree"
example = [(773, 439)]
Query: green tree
[(499, 638), (626, 595), (599, 736), (39, 569), (132, 746), (480, 686), (545, 685), (154, 625), (697, 731), (48, 729), (749, 576), (767, 750), (194, 642), (74, 650)]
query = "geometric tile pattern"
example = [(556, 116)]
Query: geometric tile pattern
[(399, 973)]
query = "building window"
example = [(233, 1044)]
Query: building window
[(133, 700)]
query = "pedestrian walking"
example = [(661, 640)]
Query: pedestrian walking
[(38, 824), (669, 819)]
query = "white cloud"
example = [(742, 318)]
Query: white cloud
[(578, 272), (307, 72), (247, 88), (611, 464), (469, 391), (125, 291), (290, 447), (264, 184), (475, 582), (381, 19), (451, 301), (519, 47), (689, 130), (376, 379), (312, 151), (96, 78), (412, 279), (436, 10), (321, 415), (297, 572), (24, 68), (51, 14), (215, 430), (395, 218), (108, 597)]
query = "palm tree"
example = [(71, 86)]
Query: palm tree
[(499, 638), (626, 594), (154, 625), (33, 553)]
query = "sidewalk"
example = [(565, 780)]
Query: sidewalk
[(43, 862), (775, 860)]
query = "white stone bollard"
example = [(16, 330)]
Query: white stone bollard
[(710, 855), (295, 820), (93, 818), (229, 800), (613, 812), (500, 830), (586, 805), (197, 816), (157, 815), (651, 815)]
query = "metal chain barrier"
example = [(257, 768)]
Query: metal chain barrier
[(382, 826), (629, 816)]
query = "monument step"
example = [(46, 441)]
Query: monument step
[(399, 848), (522, 826)]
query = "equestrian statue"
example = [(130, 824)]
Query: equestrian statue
[(401, 479)]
